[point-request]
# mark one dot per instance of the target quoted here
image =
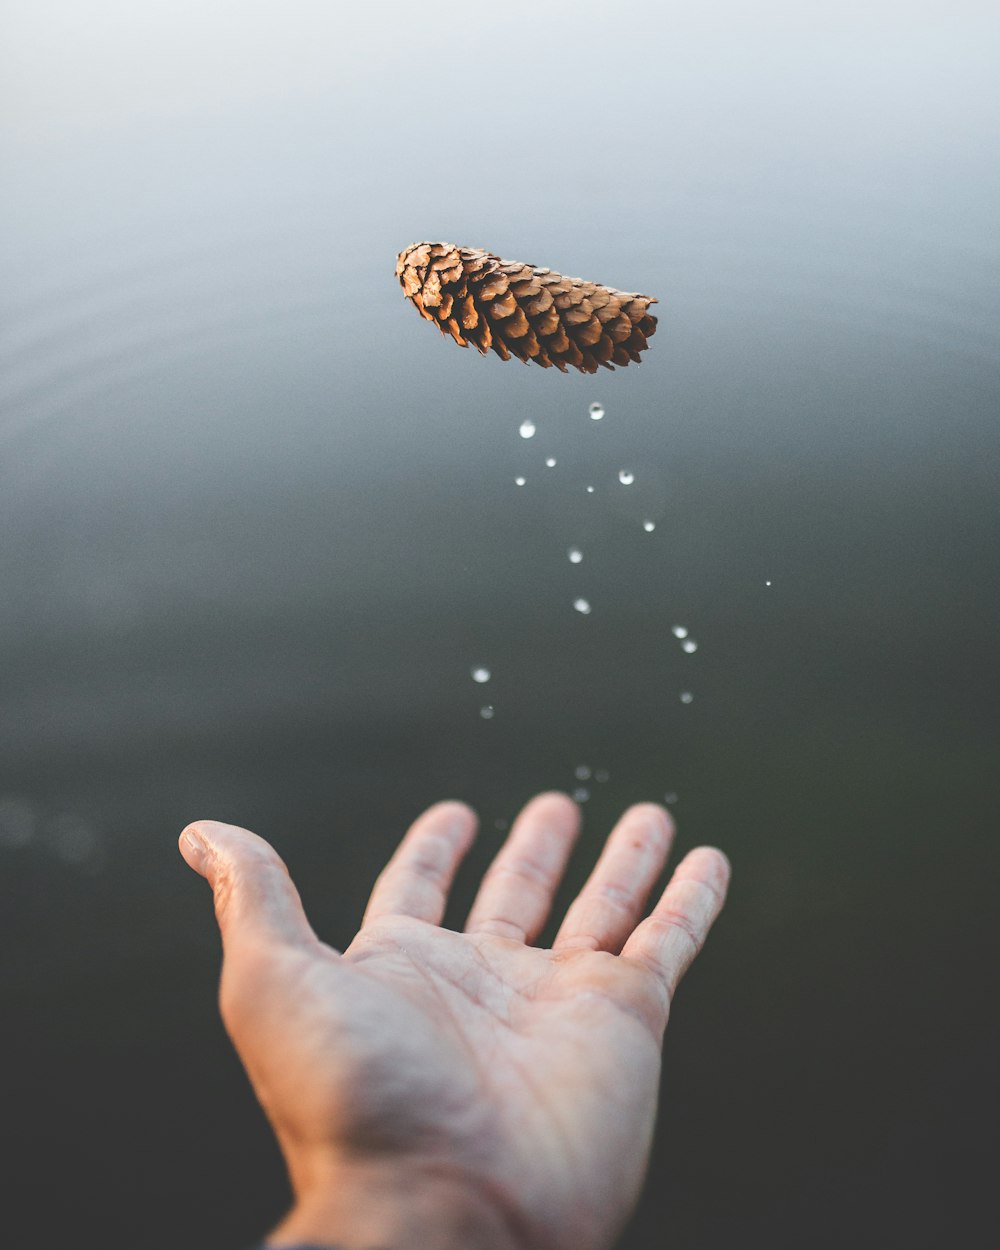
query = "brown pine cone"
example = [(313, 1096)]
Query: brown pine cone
[(520, 310)]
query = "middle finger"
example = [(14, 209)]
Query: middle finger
[(611, 902)]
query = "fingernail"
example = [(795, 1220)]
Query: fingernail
[(193, 849)]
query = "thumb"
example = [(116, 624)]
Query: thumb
[(255, 900)]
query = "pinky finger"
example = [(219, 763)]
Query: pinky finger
[(668, 940)]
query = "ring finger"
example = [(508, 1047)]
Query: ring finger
[(611, 903)]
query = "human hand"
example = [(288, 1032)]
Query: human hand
[(437, 1089)]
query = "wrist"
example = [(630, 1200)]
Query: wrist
[(415, 1206)]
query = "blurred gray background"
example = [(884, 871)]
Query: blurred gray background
[(258, 521)]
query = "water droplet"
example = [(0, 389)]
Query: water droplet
[(678, 631), (520, 481), (626, 477), (590, 491), (480, 674), (689, 645), (581, 772), (486, 712), (670, 797), (687, 696), (601, 774), (649, 526), (581, 794), (582, 605), (596, 411), (551, 462), (528, 429), (767, 583), (575, 555)]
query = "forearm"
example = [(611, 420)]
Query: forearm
[(398, 1207)]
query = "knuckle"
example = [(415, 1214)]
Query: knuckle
[(709, 890), (653, 979), (617, 896), (265, 856), (424, 864), (496, 926), (524, 870), (679, 922), (576, 942)]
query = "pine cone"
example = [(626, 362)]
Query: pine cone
[(518, 309)]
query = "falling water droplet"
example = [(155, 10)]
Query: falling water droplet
[(590, 491), (582, 605), (486, 712), (527, 429), (480, 674), (670, 797), (689, 645), (767, 583), (626, 477), (687, 696), (581, 772), (520, 481), (601, 774), (551, 462), (581, 794), (679, 631), (596, 411), (575, 555), (649, 526)]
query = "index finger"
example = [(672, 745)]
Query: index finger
[(417, 878)]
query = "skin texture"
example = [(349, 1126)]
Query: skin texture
[(440, 1089)]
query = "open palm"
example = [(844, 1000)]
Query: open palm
[(528, 1075)]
